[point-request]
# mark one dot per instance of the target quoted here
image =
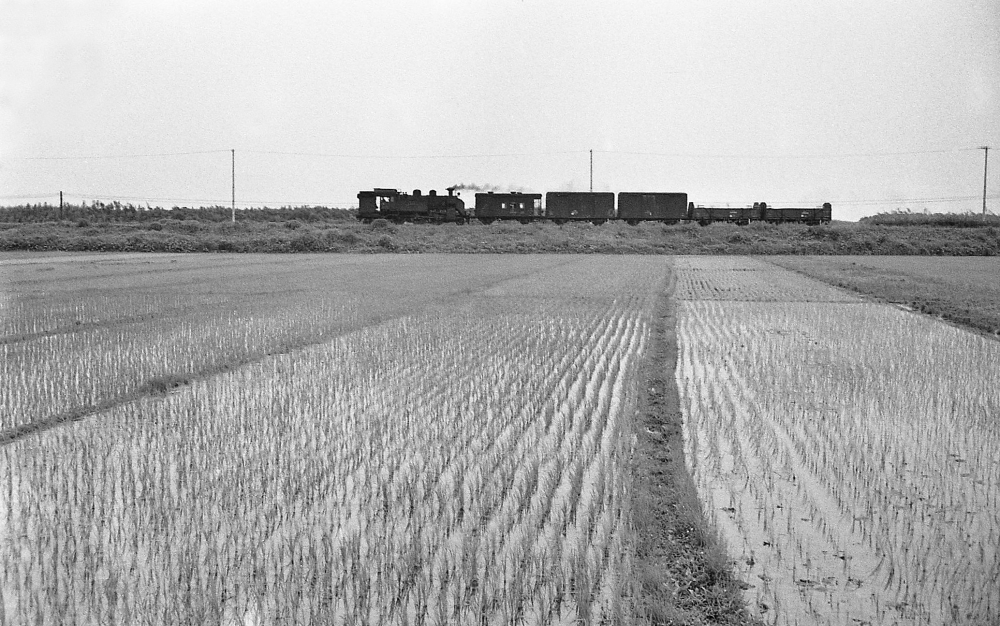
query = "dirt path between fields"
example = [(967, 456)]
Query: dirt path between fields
[(682, 569)]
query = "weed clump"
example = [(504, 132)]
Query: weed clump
[(162, 385)]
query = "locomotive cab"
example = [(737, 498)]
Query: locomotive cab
[(375, 204)]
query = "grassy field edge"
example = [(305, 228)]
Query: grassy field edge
[(681, 566), (972, 305), (507, 237)]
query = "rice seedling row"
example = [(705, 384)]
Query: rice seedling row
[(847, 454), (748, 279), (467, 464), (86, 337)]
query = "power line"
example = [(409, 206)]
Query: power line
[(693, 155), (835, 203), (337, 155), (113, 156), (916, 200), (31, 196), (223, 201), (214, 201), (114, 196), (411, 156)]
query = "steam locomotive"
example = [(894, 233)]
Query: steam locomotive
[(571, 206)]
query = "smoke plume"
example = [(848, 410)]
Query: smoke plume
[(486, 187)]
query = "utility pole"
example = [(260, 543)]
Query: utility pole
[(233, 151), (591, 171), (60, 205), (986, 164)]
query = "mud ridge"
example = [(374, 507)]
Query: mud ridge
[(684, 577)]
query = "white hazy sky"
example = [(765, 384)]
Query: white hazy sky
[(871, 105)]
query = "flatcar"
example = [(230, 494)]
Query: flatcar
[(814, 215), (706, 215), (579, 206), (397, 206)]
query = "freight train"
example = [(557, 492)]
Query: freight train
[(571, 206)]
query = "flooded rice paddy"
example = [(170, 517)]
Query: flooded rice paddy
[(847, 452)]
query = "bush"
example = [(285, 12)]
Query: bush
[(381, 224), (335, 237), (306, 241), (824, 232), (908, 218)]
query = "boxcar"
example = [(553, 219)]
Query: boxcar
[(635, 207), (396, 206), (569, 206), (523, 207)]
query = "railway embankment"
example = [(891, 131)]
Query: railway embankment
[(349, 236)]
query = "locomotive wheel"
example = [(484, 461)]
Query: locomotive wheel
[(632, 222), (486, 220), (524, 220)]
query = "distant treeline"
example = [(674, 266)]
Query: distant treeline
[(117, 212), (908, 218)]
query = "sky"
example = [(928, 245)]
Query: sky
[(870, 105)]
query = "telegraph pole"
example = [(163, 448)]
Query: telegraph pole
[(233, 151), (986, 164), (591, 171)]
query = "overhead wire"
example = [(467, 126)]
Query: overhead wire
[(113, 156), (30, 196), (695, 155), (214, 201), (412, 156), (244, 202), (338, 155)]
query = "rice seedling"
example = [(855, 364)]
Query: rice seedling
[(847, 453), (467, 463)]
